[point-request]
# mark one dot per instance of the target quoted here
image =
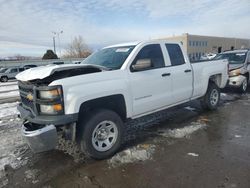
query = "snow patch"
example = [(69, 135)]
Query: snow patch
[(12, 148), (190, 108), (227, 97), (8, 88), (140, 152), (9, 94), (8, 109), (184, 131), (193, 154), (237, 136)]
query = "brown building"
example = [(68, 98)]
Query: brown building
[(197, 46)]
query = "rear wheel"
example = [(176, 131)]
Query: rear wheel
[(244, 86), (4, 79), (102, 134), (212, 97)]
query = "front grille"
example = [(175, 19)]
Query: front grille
[(25, 90), (27, 103)]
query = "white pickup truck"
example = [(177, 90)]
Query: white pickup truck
[(91, 101)]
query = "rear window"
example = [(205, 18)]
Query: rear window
[(175, 54)]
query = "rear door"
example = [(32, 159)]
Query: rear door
[(13, 73), (181, 72), (152, 88)]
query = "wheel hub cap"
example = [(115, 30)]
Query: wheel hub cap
[(244, 85), (104, 136), (214, 98)]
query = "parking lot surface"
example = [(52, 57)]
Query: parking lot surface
[(186, 147)]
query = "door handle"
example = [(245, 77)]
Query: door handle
[(165, 74), (188, 70)]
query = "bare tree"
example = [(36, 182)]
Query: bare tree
[(77, 49)]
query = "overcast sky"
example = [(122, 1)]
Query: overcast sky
[(26, 25)]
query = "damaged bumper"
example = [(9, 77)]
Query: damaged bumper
[(40, 138), (236, 81), (46, 120)]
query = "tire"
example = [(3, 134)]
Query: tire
[(212, 97), (102, 134), (244, 86), (4, 79)]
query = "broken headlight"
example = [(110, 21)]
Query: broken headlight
[(235, 72)]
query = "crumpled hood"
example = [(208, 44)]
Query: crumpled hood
[(45, 71), (235, 66)]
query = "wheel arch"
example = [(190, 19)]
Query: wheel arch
[(216, 79), (115, 103)]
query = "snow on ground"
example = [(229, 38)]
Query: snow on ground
[(190, 108), (184, 131), (12, 147), (7, 110), (193, 154), (9, 94), (8, 88), (11, 82), (138, 153), (12, 151)]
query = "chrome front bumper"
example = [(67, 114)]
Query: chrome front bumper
[(39, 138)]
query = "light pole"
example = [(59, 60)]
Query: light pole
[(54, 43)]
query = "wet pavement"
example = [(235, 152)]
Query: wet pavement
[(186, 147)]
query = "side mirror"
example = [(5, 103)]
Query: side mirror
[(142, 64)]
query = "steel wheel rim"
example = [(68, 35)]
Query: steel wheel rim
[(4, 79), (214, 97), (244, 84), (104, 136)]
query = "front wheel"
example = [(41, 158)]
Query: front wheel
[(212, 97), (102, 134), (4, 79), (244, 85)]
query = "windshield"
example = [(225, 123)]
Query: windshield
[(233, 58), (2, 70), (112, 58)]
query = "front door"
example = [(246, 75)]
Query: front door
[(151, 88)]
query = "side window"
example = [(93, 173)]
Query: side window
[(175, 54), (13, 70), (152, 52)]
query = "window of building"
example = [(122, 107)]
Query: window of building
[(193, 43), (190, 57), (175, 54), (190, 43), (196, 43)]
